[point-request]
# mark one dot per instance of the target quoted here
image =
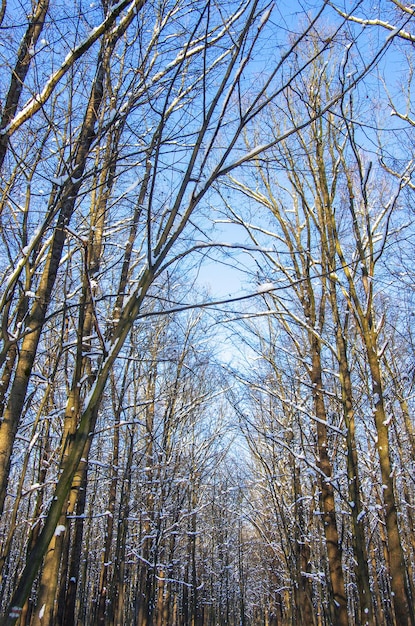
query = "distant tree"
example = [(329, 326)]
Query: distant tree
[(324, 241)]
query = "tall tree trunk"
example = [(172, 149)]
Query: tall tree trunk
[(106, 554), (337, 592), (67, 596), (20, 70), (328, 247), (37, 315), (303, 584), (401, 591), (115, 612), (366, 613)]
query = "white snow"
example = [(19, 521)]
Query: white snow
[(393, 33), (265, 16), (265, 287), (59, 180), (60, 528), (42, 611)]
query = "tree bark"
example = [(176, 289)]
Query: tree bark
[(338, 601), (20, 70), (37, 315)]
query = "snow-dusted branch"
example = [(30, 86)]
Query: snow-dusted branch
[(37, 101), (394, 31)]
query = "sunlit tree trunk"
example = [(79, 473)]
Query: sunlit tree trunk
[(20, 70), (68, 587), (364, 312), (358, 532), (338, 604), (328, 249), (37, 314)]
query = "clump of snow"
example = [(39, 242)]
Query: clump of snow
[(42, 611), (265, 287), (393, 33), (265, 16), (60, 528)]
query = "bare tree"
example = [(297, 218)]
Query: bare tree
[(118, 121), (328, 251)]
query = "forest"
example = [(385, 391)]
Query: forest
[(207, 305)]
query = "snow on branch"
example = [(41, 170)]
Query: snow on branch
[(396, 31), (38, 100)]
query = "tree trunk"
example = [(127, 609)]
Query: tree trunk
[(37, 315), (337, 593), (19, 73), (401, 593), (366, 613), (303, 583), (106, 554), (67, 595)]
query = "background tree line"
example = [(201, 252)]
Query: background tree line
[(142, 479)]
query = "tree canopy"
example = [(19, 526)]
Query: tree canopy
[(175, 449)]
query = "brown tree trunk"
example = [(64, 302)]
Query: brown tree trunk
[(303, 584), (115, 612), (19, 73), (37, 315), (337, 593), (328, 246), (366, 613), (67, 596), (401, 593)]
